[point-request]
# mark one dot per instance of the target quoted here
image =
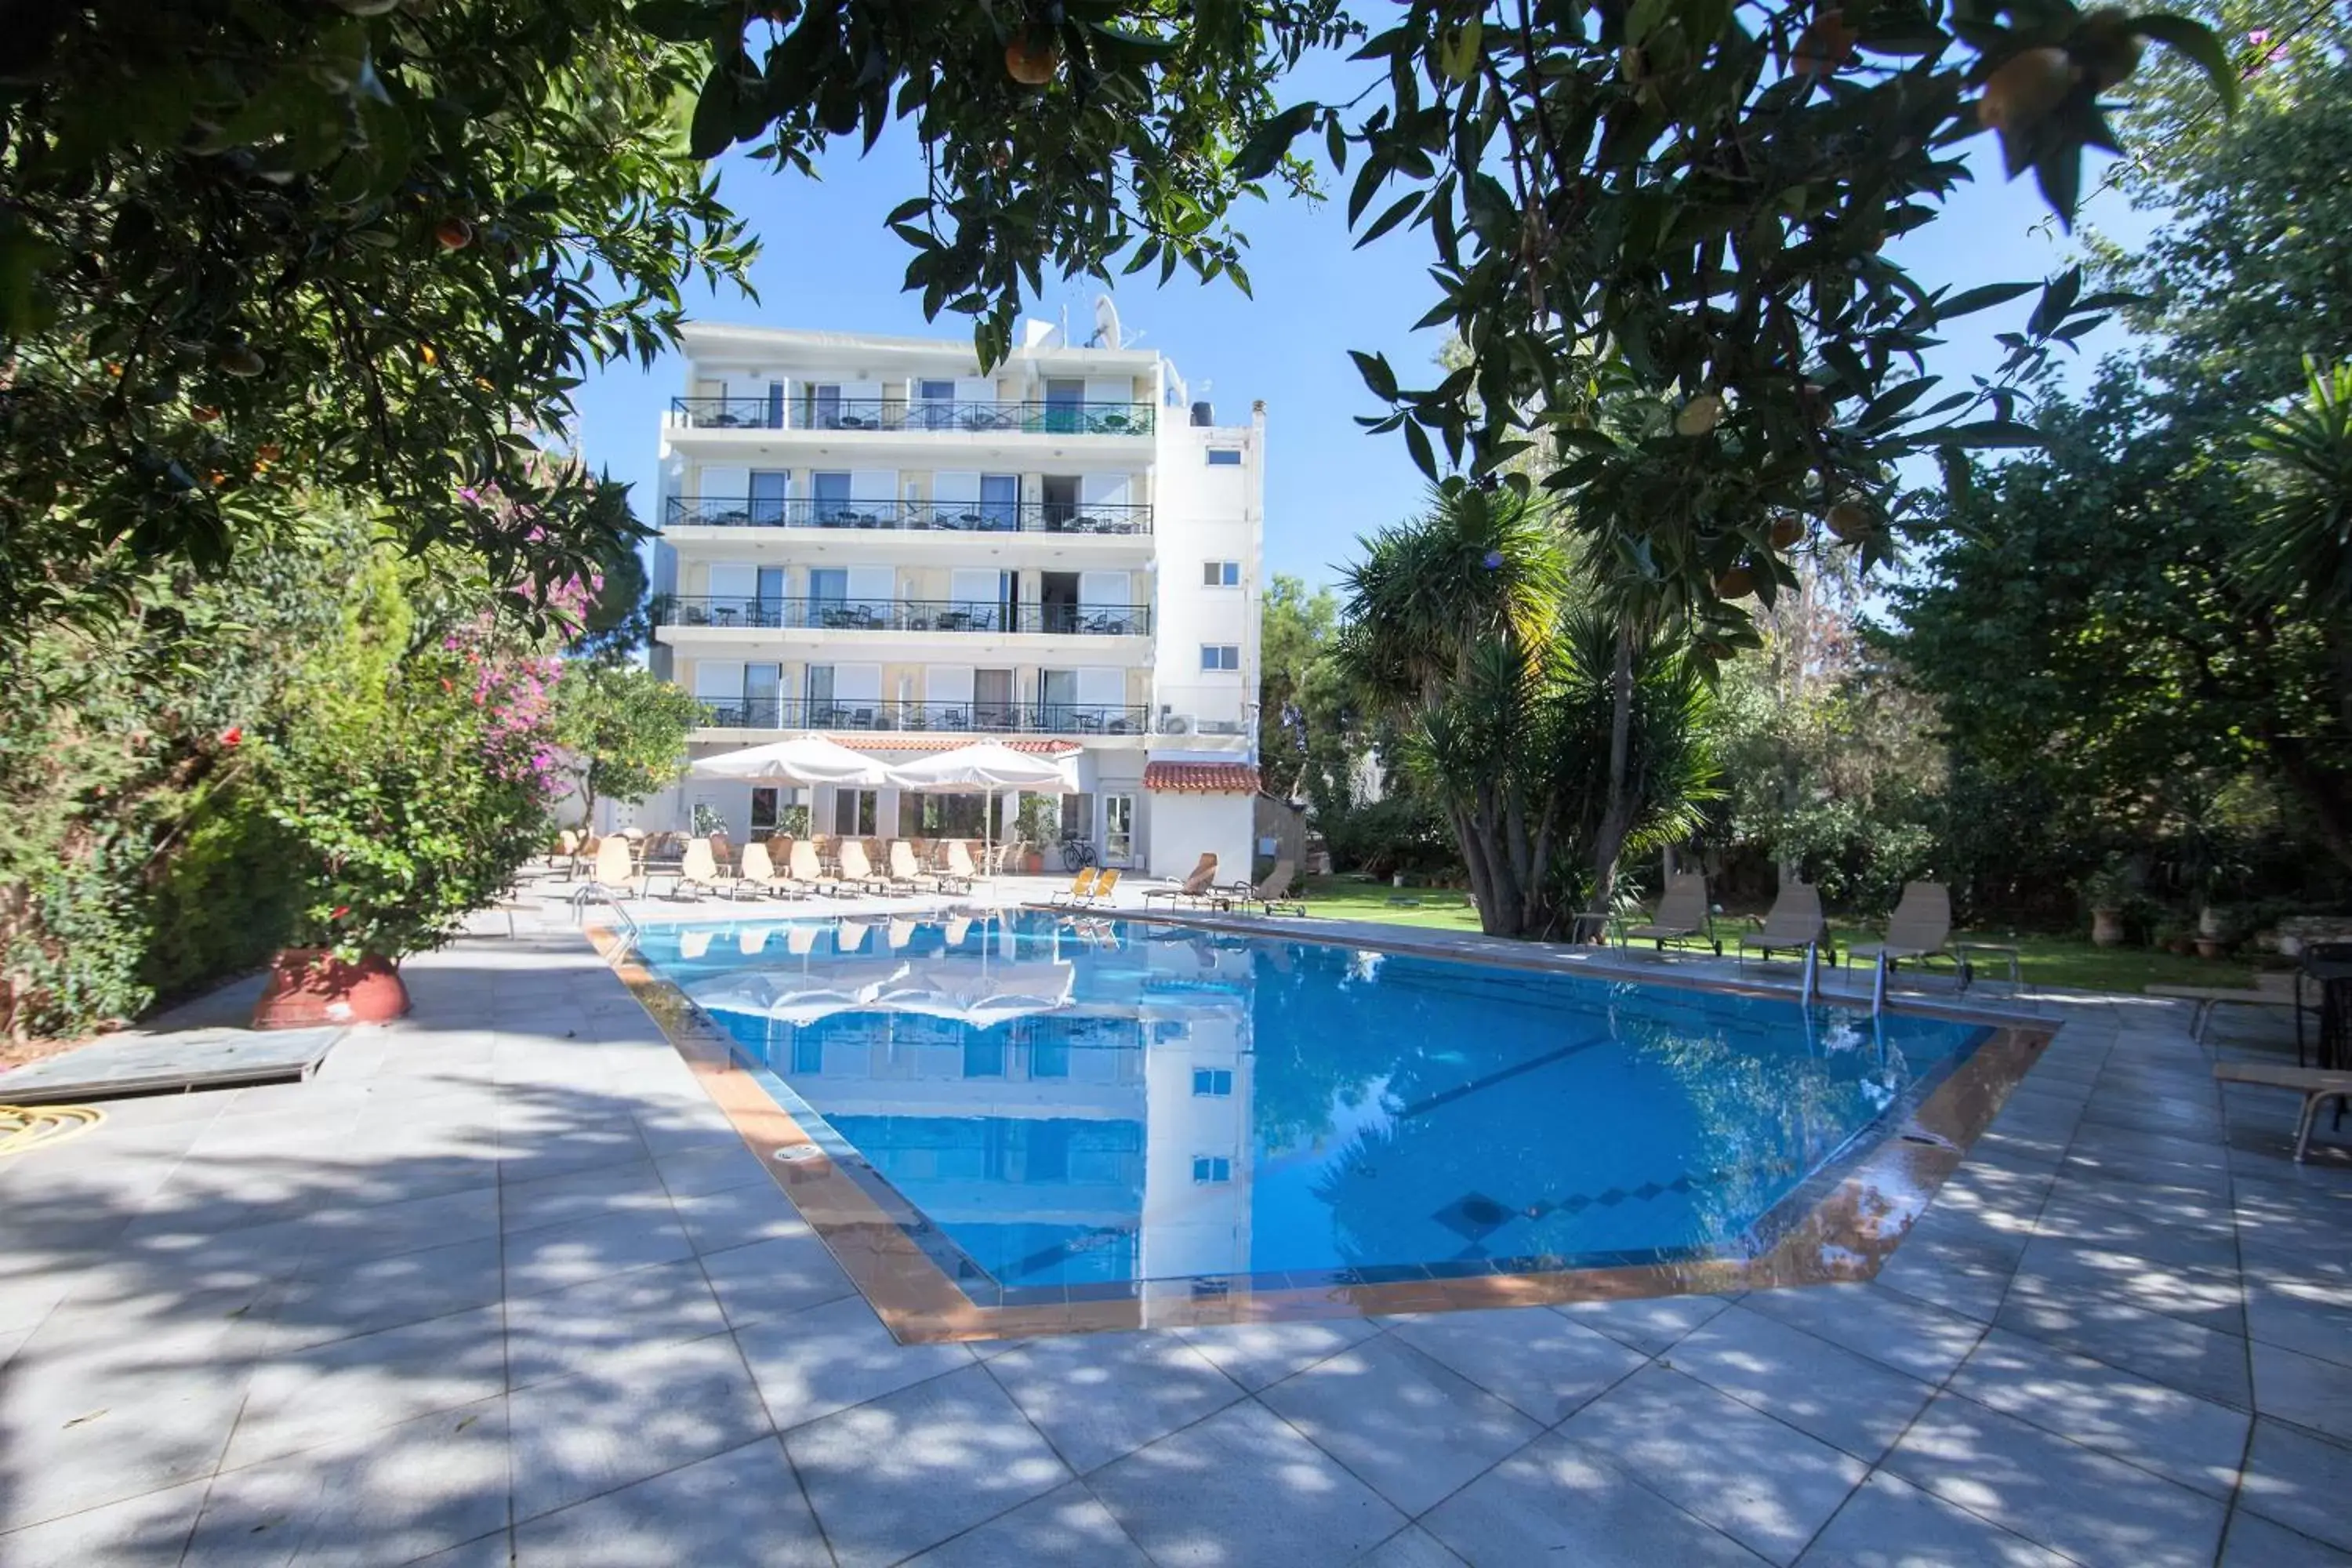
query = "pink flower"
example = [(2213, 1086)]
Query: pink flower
[(232, 735)]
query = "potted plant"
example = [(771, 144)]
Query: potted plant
[(414, 796), (1038, 823), (2106, 890)]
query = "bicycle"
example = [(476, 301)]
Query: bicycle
[(1076, 852)]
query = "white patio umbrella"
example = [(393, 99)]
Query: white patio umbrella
[(977, 995), (987, 766), (810, 759)]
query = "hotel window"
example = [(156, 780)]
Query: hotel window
[(1221, 655), (1211, 1168), (1221, 574), (1224, 457), (1211, 1083)]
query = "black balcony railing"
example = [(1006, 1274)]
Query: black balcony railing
[(903, 615), (1052, 417), (948, 516), (947, 718)]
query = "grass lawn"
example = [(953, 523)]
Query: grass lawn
[(2047, 960)]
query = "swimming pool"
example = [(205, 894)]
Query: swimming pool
[(1059, 1109)]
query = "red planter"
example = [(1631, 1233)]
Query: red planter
[(308, 987)]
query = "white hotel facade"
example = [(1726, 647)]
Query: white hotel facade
[(868, 537)]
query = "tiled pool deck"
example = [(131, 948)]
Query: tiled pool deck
[(504, 1284)]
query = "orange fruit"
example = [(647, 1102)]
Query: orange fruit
[(453, 233), (1850, 520), (1736, 584), (1699, 416), (1825, 44), (1033, 59), (1786, 531), (203, 414), (2026, 87)]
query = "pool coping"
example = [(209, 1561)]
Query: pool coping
[(1840, 1226)]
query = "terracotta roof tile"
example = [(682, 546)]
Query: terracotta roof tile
[(1200, 778)]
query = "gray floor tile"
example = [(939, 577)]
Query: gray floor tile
[(633, 1416), (1648, 1326), (709, 1169), (2186, 1439), (828, 1357), (2058, 1494), (597, 1192), (565, 1332), (346, 1387), (558, 1256), (1762, 1483), (1890, 1523), (1255, 1354), (771, 1279), (338, 1299), (1412, 1547), (1066, 1525), (386, 1496), (149, 1530), (1968, 1279), (1243, 1487), (2305, 1390), (1411, 1426), (2300, 1307), (1557, 1501), (740, 1506), (1098, 1396), (1544, 1365), (1874, 1320), (493, 1551), (739, 1216), (907, 1471), (2179, 1354), (2296, 1478), (2060, 1269), (1845, 1401), (2256, 1542)]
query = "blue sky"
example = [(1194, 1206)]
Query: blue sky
[(827, 262)]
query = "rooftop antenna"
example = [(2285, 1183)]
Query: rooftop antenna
[(1107, 330)]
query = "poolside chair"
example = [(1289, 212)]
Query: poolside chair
[(701, 869), (1794, 925), (857, 870), (1080, 890), (694, 944), (1273, 895), (907, 874), (960, 873), (805, 871), (615, 874), (1195, 889), (1920, 928), (758, 871), (1681, 916), (1105, 880)]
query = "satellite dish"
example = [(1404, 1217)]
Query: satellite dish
[(1107, 332)]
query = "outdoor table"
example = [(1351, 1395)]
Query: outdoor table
[(722, 615), (2001, 950)]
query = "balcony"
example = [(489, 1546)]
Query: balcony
[(1052, 418), (949, 517), (902, 615), (945, 718)]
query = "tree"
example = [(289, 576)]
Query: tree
[(1310, 744), (1464, 627), (251, 253), (1677, 214), (625, 730)]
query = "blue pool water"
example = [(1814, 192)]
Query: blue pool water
[(1072, 1104)]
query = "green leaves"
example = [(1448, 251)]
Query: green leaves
[(1269, 143), (2201, 44)]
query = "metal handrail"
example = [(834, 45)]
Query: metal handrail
[(950, 718), (1053, 416), (725, 610), (928, 516)]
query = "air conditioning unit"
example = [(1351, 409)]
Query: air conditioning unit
[(1175, 723), (1221, 727)]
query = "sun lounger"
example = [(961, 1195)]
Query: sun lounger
[(806, 871), (2270, 990), (960, 873), (1105, 880), (1793, 926), (1080, 890), (1681, 916), (1919, 929), (758, 872), (701, 869), (907, 875), (615, 874), (1195, 889), (2316, 1084), (1273, 895), (857, 870)]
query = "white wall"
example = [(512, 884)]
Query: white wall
[(1177, 828), (1204, 513)]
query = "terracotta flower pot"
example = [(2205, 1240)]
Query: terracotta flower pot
[(2210, 947), (309, 986), (2106, 928)]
